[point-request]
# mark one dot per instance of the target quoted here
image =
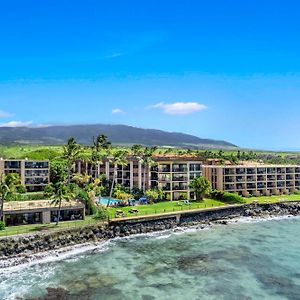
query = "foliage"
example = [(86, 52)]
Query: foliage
[(58, 171), (2, 225), (154, 195), (8, 183), (101, 213), (201, 185), (227, 197), (137, 193), (21, 189)]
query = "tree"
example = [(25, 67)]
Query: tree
[(119, 158), (100, 143), (147, 162), (58, 171), (60, 192), (8, 184), (154, 194), (71, 152), (201, 186)]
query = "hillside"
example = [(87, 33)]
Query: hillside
[(117, 134)]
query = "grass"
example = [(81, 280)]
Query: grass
[(165, 207), (13, 230), (143, 210)]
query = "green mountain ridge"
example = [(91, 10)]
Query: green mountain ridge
[(117, 134)]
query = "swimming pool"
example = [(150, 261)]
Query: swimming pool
[(104, 201)]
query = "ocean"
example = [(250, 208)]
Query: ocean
[(245, 259)]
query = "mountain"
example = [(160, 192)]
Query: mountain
[(117, 134)]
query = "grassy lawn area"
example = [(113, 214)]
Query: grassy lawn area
[(13, 230), (272, 199), (164, 207)]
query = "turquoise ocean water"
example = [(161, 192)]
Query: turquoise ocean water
[(243, 260)]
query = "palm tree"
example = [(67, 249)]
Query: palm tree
[(8, 184), (71, 152), (60, 192), (148, 162), (201, 186), (99, 143), (119, 158)]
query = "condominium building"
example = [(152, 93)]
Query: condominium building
[(34, 174), (171, 174), (254, 179)]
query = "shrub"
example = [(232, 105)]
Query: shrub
[(21, 189), (2, 225), (101, 213), (232, 198), (217, 194)]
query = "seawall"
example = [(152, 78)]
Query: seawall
[(19, 249)]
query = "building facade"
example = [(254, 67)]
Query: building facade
[(171, 174), (254, 180), (35, 175)]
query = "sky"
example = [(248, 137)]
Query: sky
[(217, 69)]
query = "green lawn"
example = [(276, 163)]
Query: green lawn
[(272, 199), (164, 207), (13, 230)]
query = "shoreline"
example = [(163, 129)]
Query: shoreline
[(37, 251)]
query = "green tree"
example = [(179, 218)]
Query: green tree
[(154, 195), (201, 186), (8, 185), (119, 158), (148, 162), (60, 192), (71, 152)]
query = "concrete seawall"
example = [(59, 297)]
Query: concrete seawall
[(19, 249)]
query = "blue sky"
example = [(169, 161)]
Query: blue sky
[(217, 69)]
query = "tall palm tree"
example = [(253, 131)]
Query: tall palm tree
[(60, 192), (8, 183), (71, 152), (201, 186), (147, 162), (100, 143), (119, 158)]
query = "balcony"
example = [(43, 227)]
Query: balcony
[(229, 172), (36, 164), (180, 168), (281, 184), (280, 177), (229, 187), (261, 170), (251, 171), (195, 167), (165, 187), (12, 165), (271, 184), (297, 170), (251, 178), (290, 184), (180, 178), (36, 181), (261, 178), (240, 179), (289, 177), (240, 186), (180, 187), (290, 170), (194, 175), (229, 179), (271, 177), (164, 168), (261, 185), (271, 170), (251, 186), (281, 170), (240, 171), (165, 178)]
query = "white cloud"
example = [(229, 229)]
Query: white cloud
[(117, 111), (5, 114), (16, 124), (180, 108), (114, 55)]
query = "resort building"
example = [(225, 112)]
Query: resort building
[(34, 174), (41, 211), (253, 179), (171, 174)]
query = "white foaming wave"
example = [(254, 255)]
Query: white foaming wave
[(249, 220)]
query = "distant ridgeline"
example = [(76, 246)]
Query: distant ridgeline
[(117, 134)]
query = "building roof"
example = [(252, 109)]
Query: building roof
[(39, 205)]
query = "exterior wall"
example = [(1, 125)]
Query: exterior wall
[(35, 175), (172, 176), (254, 180)]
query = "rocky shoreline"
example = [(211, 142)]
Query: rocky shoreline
[(18, 250)]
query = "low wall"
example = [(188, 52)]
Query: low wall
[(23, 247)]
